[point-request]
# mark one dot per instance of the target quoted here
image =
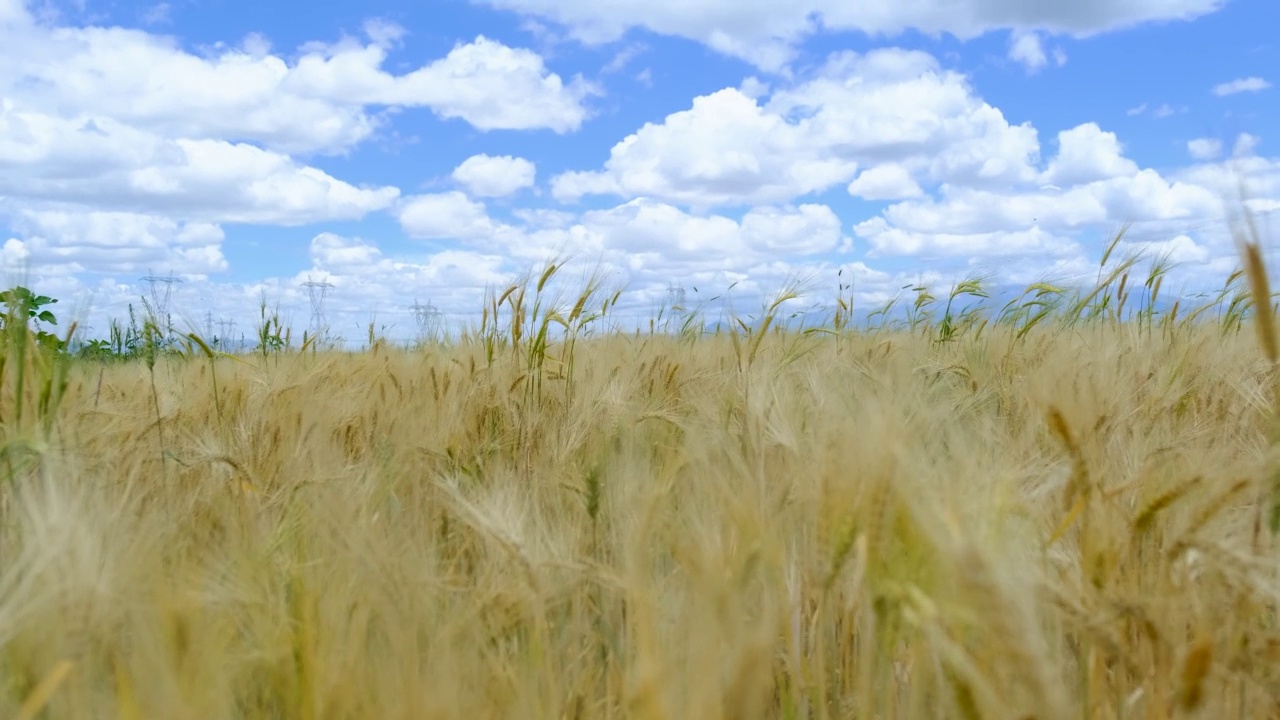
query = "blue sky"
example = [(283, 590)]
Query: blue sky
[(426, 151)]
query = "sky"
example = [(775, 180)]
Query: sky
[(403, 154)]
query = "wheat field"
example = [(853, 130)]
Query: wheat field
[(1064, 514)]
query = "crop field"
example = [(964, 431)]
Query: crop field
[(1064, 507)]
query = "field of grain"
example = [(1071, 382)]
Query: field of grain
[(1017, 515)]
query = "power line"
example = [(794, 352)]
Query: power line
[(675, 298), (429, 319), (317, 291), (160, 301), (225, 326)]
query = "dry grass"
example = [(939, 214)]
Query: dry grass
[(1033, 518)]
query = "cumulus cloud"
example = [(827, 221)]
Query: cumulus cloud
[(889, 181), (885, 106), (1041, 227), (544, 217), (887, 239), (383, 32), (449, 215), (1026, 48), (367, 286), (327, 100), (104, 164), (766, 33), (636, 234), (640, 244), (1204, 148), (332, 251), (650, 242), (487, 176), (453, 281), (15, 256), (804, 230), (117, 242), (487, 84), (725, 150), (984, 222), (1244, 145), (125, 151), (643, 227), (1179, 249), (1258, 176), (114, 120), (1248, 84), (1087, 153), (13, 12)]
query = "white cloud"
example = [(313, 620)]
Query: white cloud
[(765, 33), (106, 123), (1249, 84), (542, 218), (106, 165), (754, 88), (384, 33), (256, 45), (1160, 111), (487, 84), (901, 106), (329, 251), (454, 280), (641, 234), (1095, 188), (119, 242), (887, 239), (1025, 48), (1244, 145), (136, 167), (888, 105), (643, 227), (488, 176), (984, 222), (449, 215), (1087, 153), (805, 230), (1179, 249), (13, 12), (15, 255), (328, 100), (642, 244), (652, 239), (725, 150), (364, 278), (889, 181), (158, 14), (1204, 148), (1258, 177), (366, 286), (623, 57)]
